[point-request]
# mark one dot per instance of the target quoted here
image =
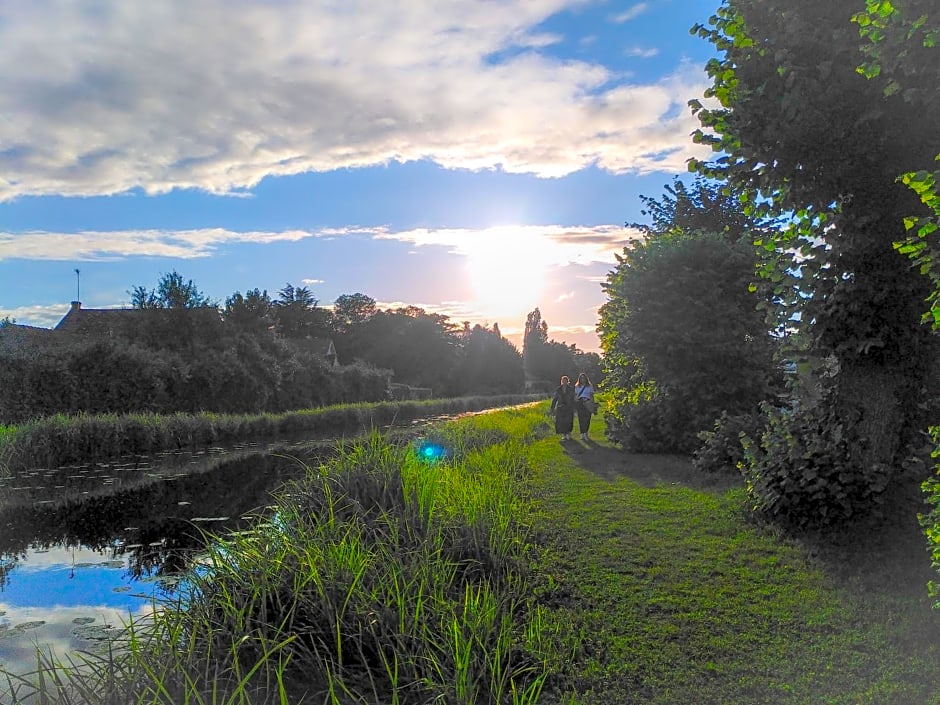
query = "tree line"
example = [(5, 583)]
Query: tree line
[(780, 314), (183, 352)]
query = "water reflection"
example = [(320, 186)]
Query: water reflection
[(77, 562), (86, 548)]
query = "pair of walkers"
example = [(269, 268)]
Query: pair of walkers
[(569, 400)]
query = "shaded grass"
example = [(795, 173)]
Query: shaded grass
[(666, 591)]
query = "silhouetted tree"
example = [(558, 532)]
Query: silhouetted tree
[(489, 364), (251, 313), (171, 293), (352, 310), (545, 360), (297, 314)]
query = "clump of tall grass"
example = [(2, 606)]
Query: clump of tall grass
[(400, 581), (6, 446), (380, 577)]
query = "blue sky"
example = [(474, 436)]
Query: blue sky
[(475, 158)]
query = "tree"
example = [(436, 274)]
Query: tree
[(534, 347), (351, 310), (546, 360), (421, 348), (805, 135), (179, 317), (171, 293), (489, 364), (901, 56), (297, 314), (682, 335), (706, 206), (251, 313)]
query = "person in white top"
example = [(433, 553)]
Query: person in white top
[(584, 403)]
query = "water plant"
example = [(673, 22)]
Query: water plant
[(381, 576)]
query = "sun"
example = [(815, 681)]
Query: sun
[(507, 271)]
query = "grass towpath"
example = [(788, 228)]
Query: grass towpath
[(662, 590)]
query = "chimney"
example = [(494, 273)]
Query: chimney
[(76, 305)]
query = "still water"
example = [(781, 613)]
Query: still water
[(84, 549)]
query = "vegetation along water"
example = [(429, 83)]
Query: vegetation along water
[(492, 563)]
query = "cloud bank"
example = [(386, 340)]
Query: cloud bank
[(108, 96), (555, 244)]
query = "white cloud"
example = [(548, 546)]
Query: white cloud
[(103, 97), (92, 245), (641, 53), (630, 13), (553, 244), (552, 248), (40, 316)]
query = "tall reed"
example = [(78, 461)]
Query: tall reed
[(60, 440), (381, 577)]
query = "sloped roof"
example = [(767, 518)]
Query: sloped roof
[(106, 322), (17, 337), (96, 321)]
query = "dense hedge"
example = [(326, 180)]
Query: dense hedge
[(113, 377)]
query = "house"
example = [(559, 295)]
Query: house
[(100, 323), (15, 337), (97, 323), (325, 348)]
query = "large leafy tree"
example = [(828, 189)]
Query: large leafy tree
[(350, 310), (297, 313), (421, 348), (171, 293), (805, 134), (251, 313), (682, 335), (902, 57)]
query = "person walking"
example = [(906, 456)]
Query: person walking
[(563, 408), (585, 404)]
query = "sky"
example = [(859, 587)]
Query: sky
[(475, 158)]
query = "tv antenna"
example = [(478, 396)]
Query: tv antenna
[(78, 285)]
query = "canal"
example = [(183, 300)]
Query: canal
[(86, 548)]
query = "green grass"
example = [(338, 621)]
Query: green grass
[(521, 570), (666, 591)]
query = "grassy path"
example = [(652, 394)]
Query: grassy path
[(662, 591)]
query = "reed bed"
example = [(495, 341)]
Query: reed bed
[(61, 439), (386, 575)]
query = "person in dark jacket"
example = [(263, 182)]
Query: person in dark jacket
[(563, 408)]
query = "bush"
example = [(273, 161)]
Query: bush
[(651, 421), (799, 472), (722, 448)]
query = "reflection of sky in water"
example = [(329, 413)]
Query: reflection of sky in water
[(61, 600)]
